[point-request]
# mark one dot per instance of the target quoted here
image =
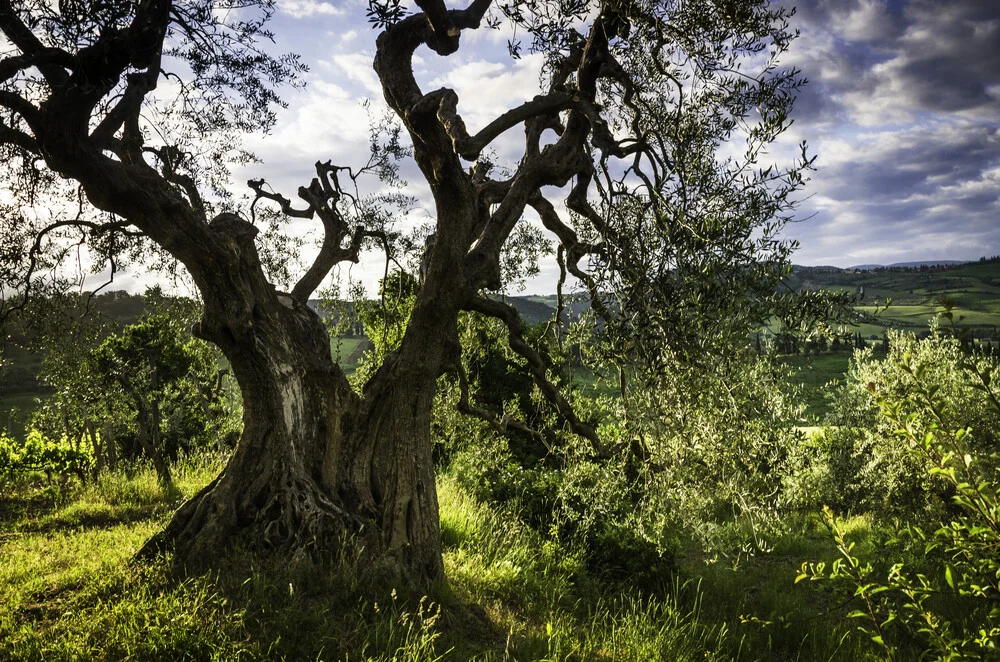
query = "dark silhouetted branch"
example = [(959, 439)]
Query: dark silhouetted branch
[(537, 365)]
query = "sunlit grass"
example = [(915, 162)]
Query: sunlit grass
[(69, 590)]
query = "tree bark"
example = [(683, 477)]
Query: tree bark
[(110, 445), (317, 465)]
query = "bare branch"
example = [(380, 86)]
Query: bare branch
[(12, 136), (19, 105), (491, 191), (36, 249), (446, 26), (537, 365), (395, 47), (469, 147), (575, 250), (499, 423), (322, 197), (331, 254), (557, 163), (139, 85), (577, 201)]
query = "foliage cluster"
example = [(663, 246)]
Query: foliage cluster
[(54, 457), (124, 392), (718, 448), (860, 464), (704, 456), (933, 588)]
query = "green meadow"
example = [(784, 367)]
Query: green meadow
[(69, 590)]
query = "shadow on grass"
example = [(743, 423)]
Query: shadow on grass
[(349, 607), (17, 508), (99, 518), (54, 508)]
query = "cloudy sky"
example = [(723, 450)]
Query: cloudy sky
[(902, 109)]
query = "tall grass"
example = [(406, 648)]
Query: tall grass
[(69, 590), (538, 594)]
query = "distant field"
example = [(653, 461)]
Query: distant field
[(347, 352), (975, 288), (920, 316), (815, 375), (973, 285), (14, 411)]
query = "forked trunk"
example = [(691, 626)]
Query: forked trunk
[(387, 459), (149, 429), (317, 466)]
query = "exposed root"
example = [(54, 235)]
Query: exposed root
[(291, 516), (300, 516)]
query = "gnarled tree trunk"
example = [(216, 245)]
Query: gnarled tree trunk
[(317, 464)]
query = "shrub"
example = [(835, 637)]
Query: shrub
[(41, 453), (947, 602), (868, 469)]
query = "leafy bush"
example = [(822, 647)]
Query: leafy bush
[(707, 458), (550, 481), (41, 453), (866, 468), (719, 450), (948, 600)]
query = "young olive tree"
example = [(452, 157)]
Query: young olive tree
[(80, 406), (639, 100)]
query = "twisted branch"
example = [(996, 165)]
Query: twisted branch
[(169, 157), (499, 423), (322, 197), (537, 365), (29, 45), (445, 103)]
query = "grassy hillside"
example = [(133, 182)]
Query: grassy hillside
[(348, 351), (915, 293)]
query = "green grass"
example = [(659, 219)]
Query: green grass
[(70, 591), (815, 375), (348, 352), (590, 384), (919, 317)]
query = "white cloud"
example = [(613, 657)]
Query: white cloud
[(868, 21), (307, 8), (324, 122), (356, 67)]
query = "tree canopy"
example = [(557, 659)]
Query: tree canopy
[(641, 158)]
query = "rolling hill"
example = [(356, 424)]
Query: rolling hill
[(915, 292)]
